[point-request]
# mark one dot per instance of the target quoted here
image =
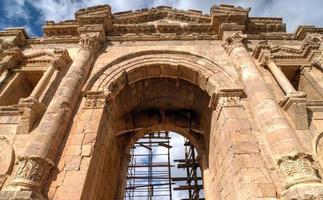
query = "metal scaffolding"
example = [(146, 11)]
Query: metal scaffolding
[(149, 173), (193, 179)]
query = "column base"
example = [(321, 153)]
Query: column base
[(20, 195), (304, 191)]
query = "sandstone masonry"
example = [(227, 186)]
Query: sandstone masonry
[(248, 95)]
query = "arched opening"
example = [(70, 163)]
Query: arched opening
[(163, 165), (147, 93), (145, 106)]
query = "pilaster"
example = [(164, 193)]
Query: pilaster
[(234, 152)]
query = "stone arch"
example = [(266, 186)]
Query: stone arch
[(196, 69), (181, 131), (194, 74), (202, 155)]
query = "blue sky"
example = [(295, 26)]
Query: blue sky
[(32, 14)]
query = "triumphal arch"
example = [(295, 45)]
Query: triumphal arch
[(247, 94)]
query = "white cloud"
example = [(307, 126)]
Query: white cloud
[(16, 9), (294, 12)]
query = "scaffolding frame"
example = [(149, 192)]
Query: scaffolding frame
[(148, 179), (191, 166)]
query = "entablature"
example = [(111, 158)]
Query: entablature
[(164, 23), (160, 23), (305, 55)]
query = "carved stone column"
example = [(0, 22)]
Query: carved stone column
[(41, 85), (46, 138), (295, 101), (275, 129), (282, 80)]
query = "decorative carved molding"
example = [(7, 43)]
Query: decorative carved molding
[(89, 42), (162, 20), (59, 57), (12, 37), (300, 168), (318, 62), (5, 45), (233, 41), (230, 98), (12, 57), (309, 50), (32, 172), (95, 100), (312, 38)]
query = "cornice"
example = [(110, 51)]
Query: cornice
[(305, 55), (15, 58), (12, 37), (165, 23), (160, 20)]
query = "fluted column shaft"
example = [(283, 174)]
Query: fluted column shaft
[(275, 129), (280, 77), (47, 137)]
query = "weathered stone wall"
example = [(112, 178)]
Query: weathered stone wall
[(251, 104)]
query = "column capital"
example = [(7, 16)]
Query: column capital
[(233, 41), (89, 42), (32, 173), (299, 168), (269, 59), (226, 98), (61, 58), (97, 100)]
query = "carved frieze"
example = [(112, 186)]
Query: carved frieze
[(32, 172), (300, 168), (305, 55), (162, 20), (57, 56)]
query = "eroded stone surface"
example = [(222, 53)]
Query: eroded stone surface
[(74, 101)]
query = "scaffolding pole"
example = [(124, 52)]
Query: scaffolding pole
[(193, 181), (147, 178)]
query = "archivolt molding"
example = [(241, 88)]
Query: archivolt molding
[(141, 65)]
